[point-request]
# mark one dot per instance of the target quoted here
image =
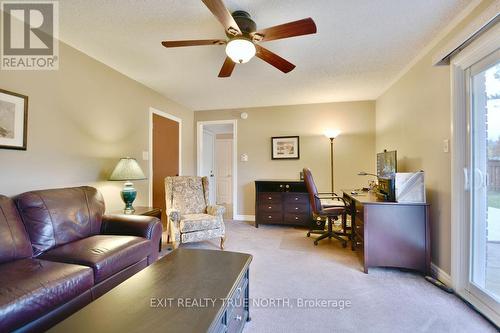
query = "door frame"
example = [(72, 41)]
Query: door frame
[(479, 49), (199, 154), (157, 112)]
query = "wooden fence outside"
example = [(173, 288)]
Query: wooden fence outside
[(494, 175)]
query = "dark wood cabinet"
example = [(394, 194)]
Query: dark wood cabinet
[(282, 202), (389, 234)]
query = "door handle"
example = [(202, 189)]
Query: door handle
[(466, 180), (481, 178)]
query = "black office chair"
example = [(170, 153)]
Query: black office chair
[(330, 213)]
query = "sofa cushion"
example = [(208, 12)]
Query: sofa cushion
[(60, 216), (14, 241), (30, 288), (106, 255), (198, 222)]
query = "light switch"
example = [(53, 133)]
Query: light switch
[(446, 146), (145, 155)]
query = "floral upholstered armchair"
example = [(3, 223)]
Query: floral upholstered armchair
[(190, 217)]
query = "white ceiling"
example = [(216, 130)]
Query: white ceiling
[(360, 47)]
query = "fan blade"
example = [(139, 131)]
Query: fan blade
[(287, 30), (180, 43), (274, 59), (223, 15), (227, 68)]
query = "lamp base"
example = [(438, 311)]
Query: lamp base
[(128, 194)]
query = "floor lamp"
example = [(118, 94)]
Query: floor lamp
[(332, 134)]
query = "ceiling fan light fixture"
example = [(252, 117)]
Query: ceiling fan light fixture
[(240, 50)]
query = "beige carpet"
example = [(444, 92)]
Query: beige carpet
[(287, 266)]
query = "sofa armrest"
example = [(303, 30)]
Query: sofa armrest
[(174, 215), (135, 225), (216, 210)]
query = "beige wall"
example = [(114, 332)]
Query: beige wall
[(413, 117), (82, 119), (354, 148)]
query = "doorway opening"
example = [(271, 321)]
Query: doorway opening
[(165, 156), (217, 147)]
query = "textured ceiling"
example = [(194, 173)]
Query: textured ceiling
[(361, 45)]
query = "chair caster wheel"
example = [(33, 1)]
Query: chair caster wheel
[(315, 243), (308, 234)]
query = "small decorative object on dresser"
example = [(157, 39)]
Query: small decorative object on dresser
[(283, 202), (127, 170), (285, 148), (13, 120)]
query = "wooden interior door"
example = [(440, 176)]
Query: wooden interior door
[(165, 158)]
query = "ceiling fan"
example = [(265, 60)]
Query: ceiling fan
[(244, 38)]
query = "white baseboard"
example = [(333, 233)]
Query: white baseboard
[(250, 218), (441, 275)]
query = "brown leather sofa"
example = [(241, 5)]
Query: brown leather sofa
[(58, 252)]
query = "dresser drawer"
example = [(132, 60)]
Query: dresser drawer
[(270, 207), (296, 208), (302, 219), (269, 197), (271, 217), (297, 198)]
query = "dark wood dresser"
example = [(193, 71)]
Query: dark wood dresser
[(390, 234), (282, 202)]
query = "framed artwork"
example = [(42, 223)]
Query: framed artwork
[(13, 120), (285, 148)]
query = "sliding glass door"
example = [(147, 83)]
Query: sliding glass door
[(483, 180)]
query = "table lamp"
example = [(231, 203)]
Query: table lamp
[(127, 170)]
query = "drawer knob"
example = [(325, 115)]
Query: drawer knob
[(358, 243), (269, 198), (270, 207), (296, 218), (296, 198), (296, 208), (358, 227), (269, 217), (239, 318), (287, 186), (281, 186)]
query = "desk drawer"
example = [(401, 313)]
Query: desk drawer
[(269, 197), (297, 198), (360, 227), (295, 208)]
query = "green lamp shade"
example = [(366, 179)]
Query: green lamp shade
[(126, 170)]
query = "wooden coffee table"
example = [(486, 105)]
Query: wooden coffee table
[(189, 290)]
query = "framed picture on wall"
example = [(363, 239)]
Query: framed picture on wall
[(285, 148), (13, 120)]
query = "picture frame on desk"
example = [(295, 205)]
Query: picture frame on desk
[(285, 148)]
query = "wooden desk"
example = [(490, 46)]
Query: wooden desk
[(390, 234), (161, 298)]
